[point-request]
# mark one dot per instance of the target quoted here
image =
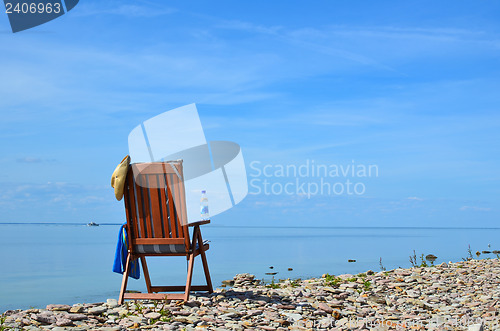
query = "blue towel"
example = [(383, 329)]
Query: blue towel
[(121, 256)]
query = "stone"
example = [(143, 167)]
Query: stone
[(137, 319), (97, 310), (77, 309), (76, 317), (64, 322), (326, 308), (58, 307), (153, 315), (112, 303), (45, 318)]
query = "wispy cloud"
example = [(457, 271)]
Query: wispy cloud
[(474, 208), (30, 159), (123, 8)]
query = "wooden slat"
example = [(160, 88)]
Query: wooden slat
[(179, 208), (199, 223), (140, 211), (171, 207), (128, 213), (158, 241), (147, 207), (165, 208), (146, 216), (156, 218), (178, 205), (132, 219), (178, 288), (182, 201), (153, 296)]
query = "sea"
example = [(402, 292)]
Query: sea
[(44, 263)]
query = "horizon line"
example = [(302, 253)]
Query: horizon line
[(267, 226)]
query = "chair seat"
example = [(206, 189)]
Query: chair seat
[(163, 249)]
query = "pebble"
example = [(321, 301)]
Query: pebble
[(450, 296)]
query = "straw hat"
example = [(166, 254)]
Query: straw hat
[(118, 177)]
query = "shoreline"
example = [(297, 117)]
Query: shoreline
[(455, 296)]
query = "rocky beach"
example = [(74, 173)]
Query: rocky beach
[(449, 296)]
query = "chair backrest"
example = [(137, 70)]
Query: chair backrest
[(155, 204)]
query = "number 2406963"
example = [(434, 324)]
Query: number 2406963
[(33, 8)]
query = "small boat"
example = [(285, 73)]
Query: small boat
[(92, 224)]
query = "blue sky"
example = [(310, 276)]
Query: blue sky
[(411, 87)]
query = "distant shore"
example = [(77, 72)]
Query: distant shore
[(454, 296)]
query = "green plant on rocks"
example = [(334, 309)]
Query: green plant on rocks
[(415, 264), (332, 281), (366, 285), (2, 321), (273, 284), (166, 315), (423, 263), (138, 307), (295, 282)]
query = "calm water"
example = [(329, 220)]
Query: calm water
[(51, 263)]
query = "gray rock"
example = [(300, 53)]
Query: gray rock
[(76, 317), (64, 322), (58, 307), (137, 319), (97, 310), (153, 315), (326, 308), (45, 318), (112, 303)]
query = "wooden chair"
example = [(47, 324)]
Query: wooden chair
[(156, 225)]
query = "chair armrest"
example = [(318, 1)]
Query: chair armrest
[(199, 223)]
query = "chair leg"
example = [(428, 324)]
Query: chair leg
[(124, 281), (205, 264), (146, 273), (189, 277)]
